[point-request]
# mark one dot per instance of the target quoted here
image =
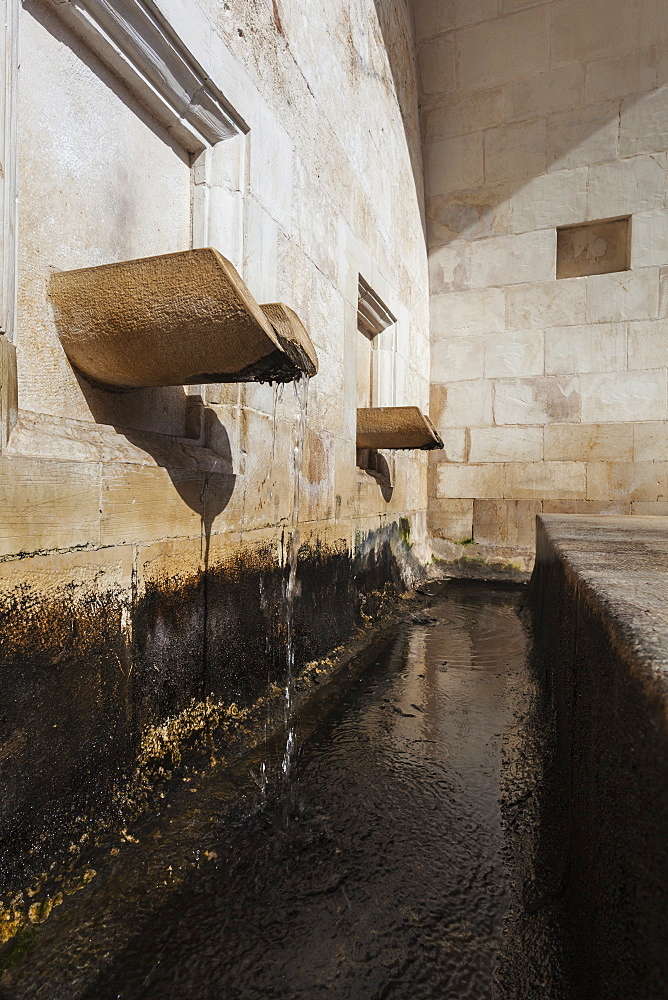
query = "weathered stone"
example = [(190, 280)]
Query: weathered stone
[(575, 349), (395, 427), (453, 164), (623, 396), (456, 359), (511, 260), (537, 480), (548, 200), (469, 481), (593, 248), (650, 442), (516, 151), (650, 238), (578, 138), (627, 481), (612, 298), (623, 187), (451, 519), (517, 353), (475, 311), (175, 319), (549, 303), (497, 52), (505, 522), (588, 442), (506, 444), (644, 124), (536, 400)]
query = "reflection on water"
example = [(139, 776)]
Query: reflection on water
[(383, 879)]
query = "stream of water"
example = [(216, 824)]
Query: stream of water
[(389, 879)]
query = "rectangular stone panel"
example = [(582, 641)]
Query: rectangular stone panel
[(594, 248)]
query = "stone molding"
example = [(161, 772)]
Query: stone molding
[(136, 42)]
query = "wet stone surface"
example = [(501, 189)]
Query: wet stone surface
[(379, 871)]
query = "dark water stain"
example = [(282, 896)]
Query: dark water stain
[(79, 691), (378, 872)]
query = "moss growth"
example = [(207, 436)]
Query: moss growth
[(22, 943), (405, 530)]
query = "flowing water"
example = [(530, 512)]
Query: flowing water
[(378, 871)]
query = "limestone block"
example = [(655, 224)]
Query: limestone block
[(514, 354), (588, 442), (509, 522), (663, 292), (499, 51), (624, 187), (592, 507), (453, 164), (172, 320), (468, 113), (578, 138), (472, 214), (454, 444), (513, 152), (649, 237), (555, 199), (658, 508), (512, 260), (142, 504), (574, 349), (469, 481), (260, 251), (311, 202), (623, 396), (271, 168), (538, 480), (437, 64), (451, 519), (456, 359), (506, 444), (477, 311), (631, 73), (625, 295), (581, 32), (395, 427), (465, 404), (644, 123), (650, 442), (546, 93), (648, 344), (536, 400), (48, 504), (450, 268), (627, 481), (432, 17), (546, 304)]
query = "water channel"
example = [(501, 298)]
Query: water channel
[(381, 867)]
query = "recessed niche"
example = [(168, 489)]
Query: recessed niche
[(594, 248)]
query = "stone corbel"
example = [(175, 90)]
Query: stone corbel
[(176, 319), (395, 427)]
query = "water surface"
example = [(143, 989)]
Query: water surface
[(375, 871)]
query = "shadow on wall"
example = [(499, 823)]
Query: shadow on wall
[(204, 482), (395, 20), (485, 143)]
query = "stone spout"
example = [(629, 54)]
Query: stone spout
[(177, 319), (396, 427)]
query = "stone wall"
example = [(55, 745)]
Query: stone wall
[(550, 394), (168, 502), (599, 619)]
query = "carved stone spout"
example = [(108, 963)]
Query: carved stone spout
[(396, 427), (177, 319)]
